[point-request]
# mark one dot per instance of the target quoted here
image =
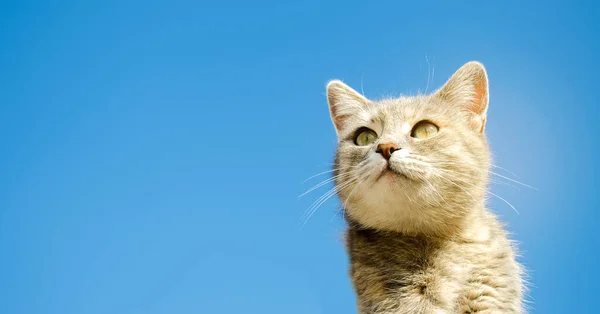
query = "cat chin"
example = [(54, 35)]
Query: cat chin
[(389, 197), (388, 175), (393, 173), (393, 201)]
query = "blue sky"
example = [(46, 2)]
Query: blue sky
[(151, 153)]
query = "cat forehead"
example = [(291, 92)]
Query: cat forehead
[(400, 109)]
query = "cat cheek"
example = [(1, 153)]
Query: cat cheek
[(403, 153)]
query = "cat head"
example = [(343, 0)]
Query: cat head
[(412, 164)]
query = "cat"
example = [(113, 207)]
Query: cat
[(412, 175)]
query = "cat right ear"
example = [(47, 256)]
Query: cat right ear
[(344, 103)]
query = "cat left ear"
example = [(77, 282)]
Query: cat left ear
[(468, 88), (344, 103)]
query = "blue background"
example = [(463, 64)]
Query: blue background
[(151, 153)]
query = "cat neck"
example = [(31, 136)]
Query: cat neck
[(471, 227)]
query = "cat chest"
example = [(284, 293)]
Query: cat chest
[(405, 274)]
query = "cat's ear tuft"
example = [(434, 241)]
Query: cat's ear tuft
[(468, 88), (344, 103)]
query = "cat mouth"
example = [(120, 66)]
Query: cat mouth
[(388, 170)]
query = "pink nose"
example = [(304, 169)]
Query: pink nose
[(386, 150)]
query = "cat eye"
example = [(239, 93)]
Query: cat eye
[(365, 136), (424, 129)]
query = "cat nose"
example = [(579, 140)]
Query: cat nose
[(386, 150)]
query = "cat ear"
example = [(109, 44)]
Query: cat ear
[(344, 103), (468, 88)]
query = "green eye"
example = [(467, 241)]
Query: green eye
[(365, 136), (424, 129)]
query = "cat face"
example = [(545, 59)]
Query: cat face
[(412, 164)]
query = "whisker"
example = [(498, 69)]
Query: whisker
[(473, 176), (428, 74), (318, 174), (359, 182), (505, 201), (495, 166), (515, 181), (436, 192), (324, 199), (329, 193), (318, 200), (322, 183), (503, 183), (450, 163), (349, 178), (325, 172), (460, 187), (487, 191)]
